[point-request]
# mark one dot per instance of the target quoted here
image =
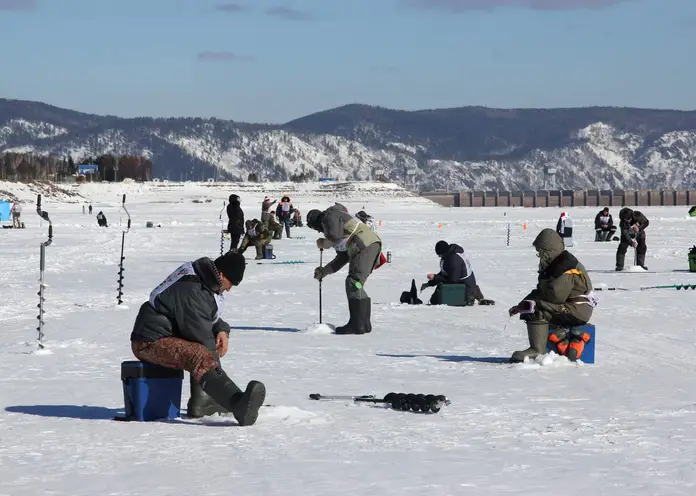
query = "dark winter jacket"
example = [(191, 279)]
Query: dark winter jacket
[(284, 209), (455, 268), (563, 284), (626, 226), (101, 219), (235, 215), (602, 221), (185, 305)]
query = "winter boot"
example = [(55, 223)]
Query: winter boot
[(538, 333), (244, 406), (356, 323), (259, 252), (202, 405), (368, 313)]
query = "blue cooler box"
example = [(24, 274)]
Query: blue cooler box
[(588, 353), (151, 392)]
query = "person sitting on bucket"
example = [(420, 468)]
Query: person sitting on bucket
[(455, 268), (562, 299), (101, 219), (256, 235), (604, 225), (179, 327), (354, 242)]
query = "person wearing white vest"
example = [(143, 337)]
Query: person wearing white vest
[(284, 213), (455, 268), (564, 228), (180, 327)]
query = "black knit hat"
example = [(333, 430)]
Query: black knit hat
[(441, 247), (232, 266), (314, 219)]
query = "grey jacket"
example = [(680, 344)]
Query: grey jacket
[(185, 305), (349, 235)]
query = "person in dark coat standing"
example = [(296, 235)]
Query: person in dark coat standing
[(455, 268), (284, 212), (235, 222), (632, 224), (180, 327)]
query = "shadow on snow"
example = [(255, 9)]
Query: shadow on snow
[(452, 358)]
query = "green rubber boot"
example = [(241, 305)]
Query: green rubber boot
[(538, 333)]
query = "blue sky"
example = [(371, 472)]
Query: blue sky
[(275, 60)]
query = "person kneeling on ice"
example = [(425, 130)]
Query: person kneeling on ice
[(180, 328), (356, 243), (455, 268), (562, 299), (256, 235)]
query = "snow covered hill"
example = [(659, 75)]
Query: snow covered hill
[(469, 148)]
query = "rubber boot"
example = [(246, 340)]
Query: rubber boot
[(357, 321), (244, 406), (367, 314), (202, 405), (538, 333)]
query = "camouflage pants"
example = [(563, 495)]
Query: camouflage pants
[(176, 353)]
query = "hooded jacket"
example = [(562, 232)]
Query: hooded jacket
[(563, 285), (185, 305), (455, 268), (284, 209), (348, 235), (235, 216), (345, 231)]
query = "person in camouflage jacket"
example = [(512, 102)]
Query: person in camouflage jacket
[(562, 299), (355, 244), (256, 235)]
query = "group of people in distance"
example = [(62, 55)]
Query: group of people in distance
[(180, 325), (260, 233)]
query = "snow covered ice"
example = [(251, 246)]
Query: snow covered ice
[(622, 426)]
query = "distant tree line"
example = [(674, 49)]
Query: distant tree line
[(31, 167)]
